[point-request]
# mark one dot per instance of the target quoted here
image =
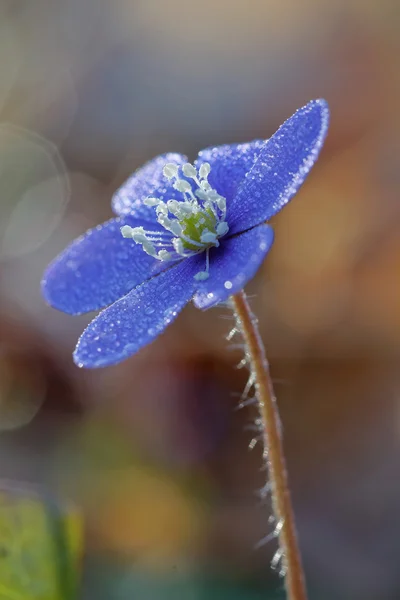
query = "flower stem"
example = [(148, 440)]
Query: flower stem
[(281, 503)]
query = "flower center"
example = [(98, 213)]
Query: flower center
[(196, 222)]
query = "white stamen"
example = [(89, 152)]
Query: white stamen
[(126, 231), (162, 208), (164, 255), (182, 186), (178, 246), (149, 249), (222, 228), (201, 195), (204, 170), (220, 202), (208, 237), (190, 225), (205, 186), (189, 240), (179, 209), (138, 234), (189, 171), (170, 170), (208, 259), (171, 225), (201, 276)]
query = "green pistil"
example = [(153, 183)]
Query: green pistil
[(193, 227)]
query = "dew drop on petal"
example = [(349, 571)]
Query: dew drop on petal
[(228, 285)]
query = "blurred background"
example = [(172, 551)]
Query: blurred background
[(152, 454)]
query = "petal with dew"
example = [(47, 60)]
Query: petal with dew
[(233, 264), (98, 268), (136, 319), (147, 181), (229, 165), (282, 166)]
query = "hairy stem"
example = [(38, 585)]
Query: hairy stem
[(281, 503)]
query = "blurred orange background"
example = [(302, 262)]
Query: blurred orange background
[(153, 450)]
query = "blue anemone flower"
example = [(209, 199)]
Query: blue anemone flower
[(183, 232)]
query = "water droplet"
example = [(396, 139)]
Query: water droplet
[(169, 313), (228, 285), (149, 310)]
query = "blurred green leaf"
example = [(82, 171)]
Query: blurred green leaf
[(40, 547)]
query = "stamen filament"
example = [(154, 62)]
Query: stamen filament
[(191, 225)]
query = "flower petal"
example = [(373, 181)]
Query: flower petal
[(281, 167), (233, 264), (134, 321), (147, 181), (97, 269), (229, 165)]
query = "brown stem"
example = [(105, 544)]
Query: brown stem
[(281, 504)]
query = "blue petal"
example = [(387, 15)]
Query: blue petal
[(229, 165), (281, 167), (97, 269), (233, 264), (149, 180), (135, 320)]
